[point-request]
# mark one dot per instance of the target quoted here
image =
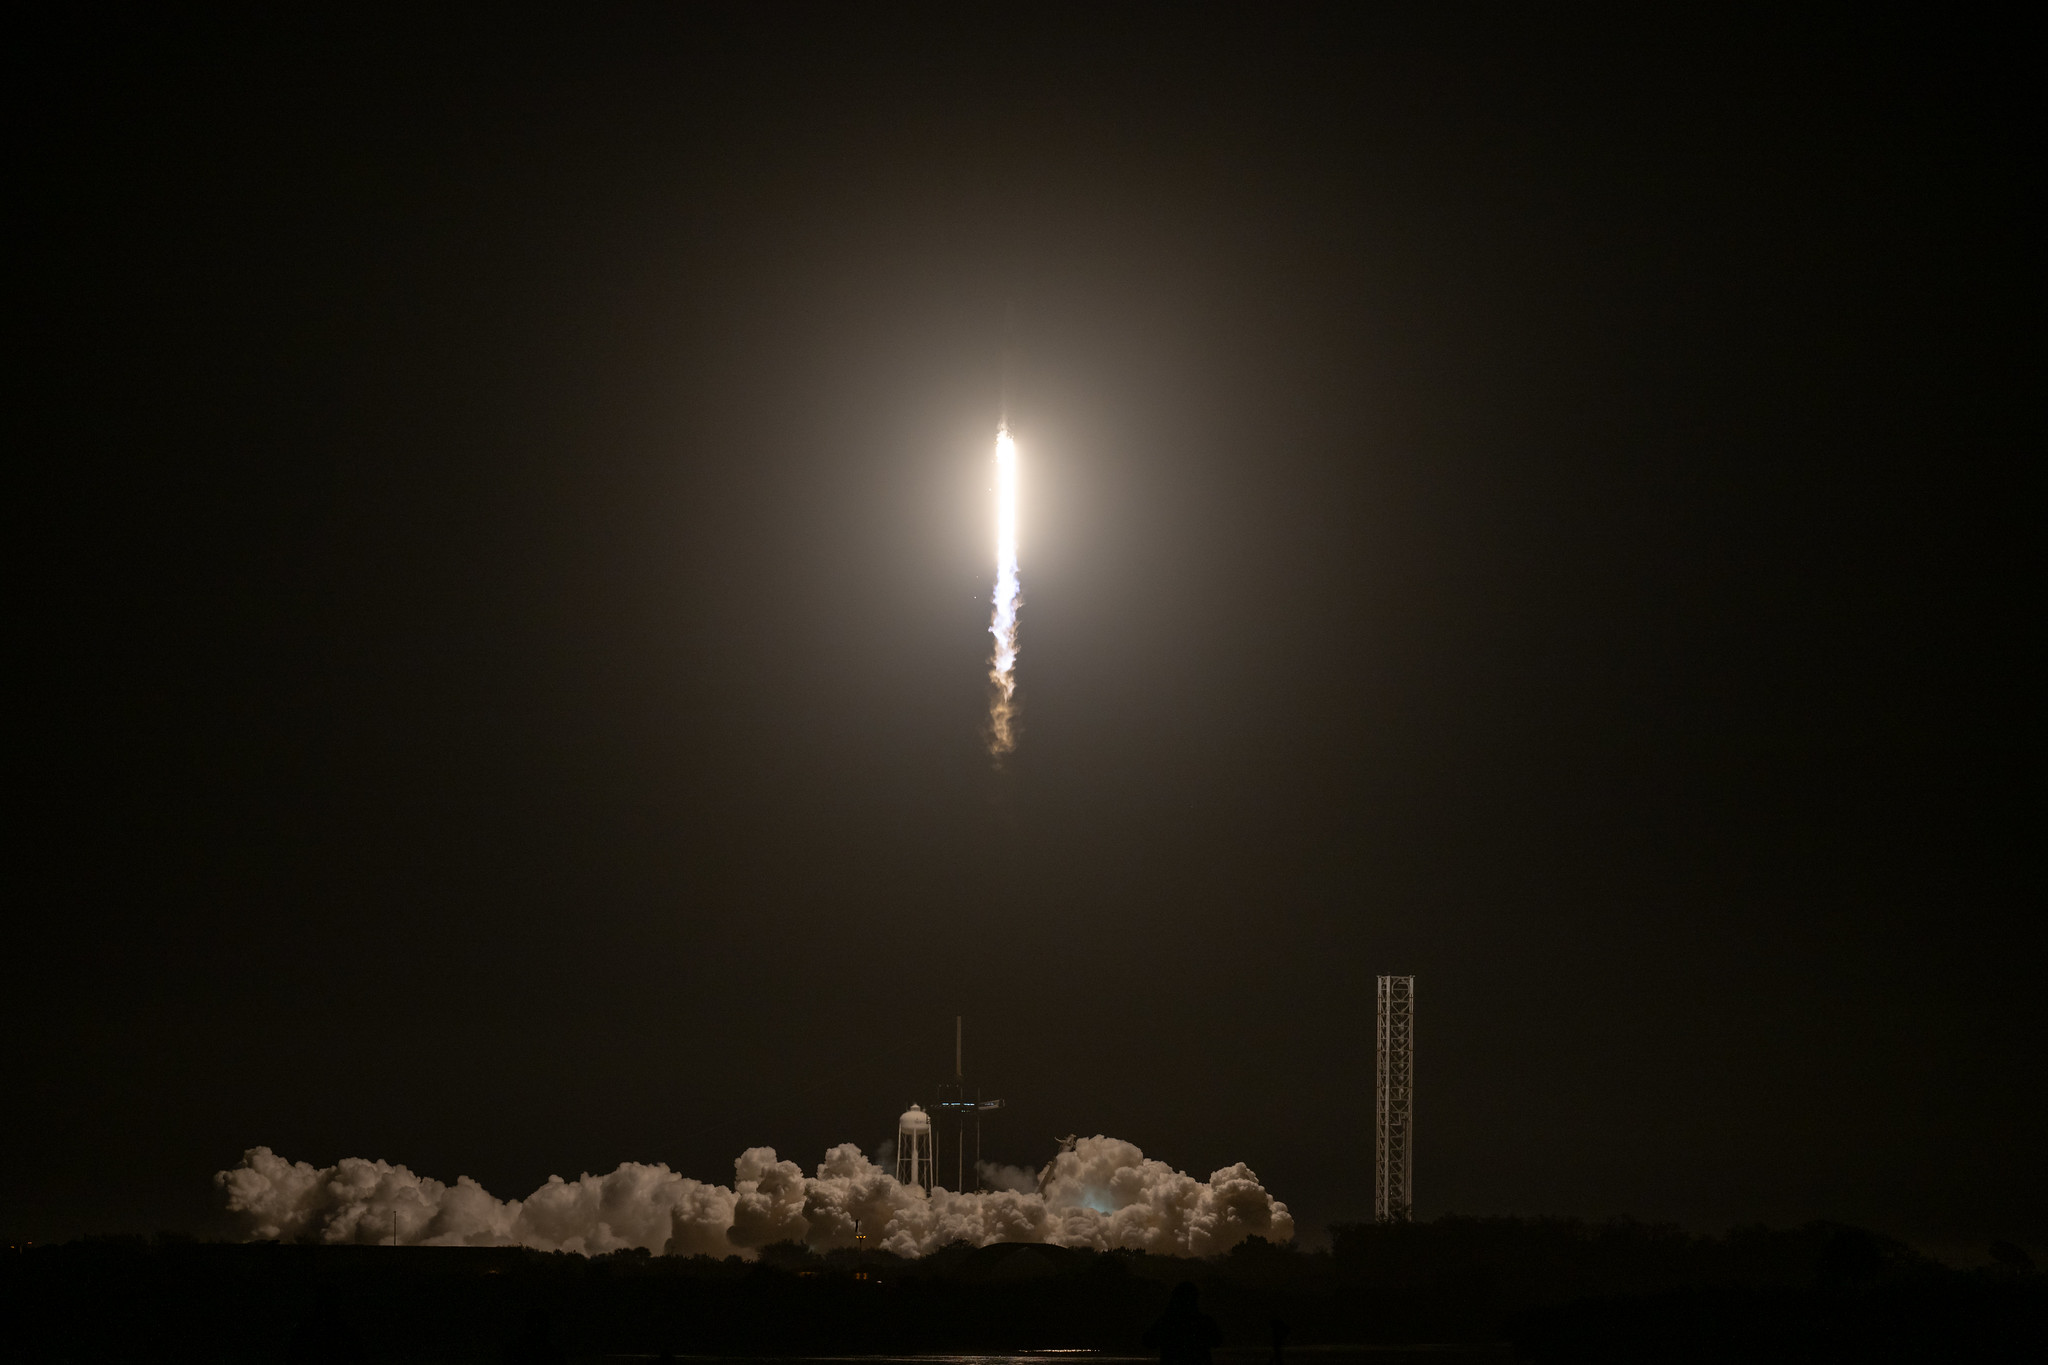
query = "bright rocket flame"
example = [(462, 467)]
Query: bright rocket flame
[(1003, 625)]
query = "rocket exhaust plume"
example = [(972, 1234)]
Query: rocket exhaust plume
[(1008, 596)]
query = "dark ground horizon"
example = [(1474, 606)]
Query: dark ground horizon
[(1538, 503), (1537, 1290)]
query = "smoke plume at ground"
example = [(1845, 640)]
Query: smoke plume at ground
[(1105, 1194), (995, 1177)]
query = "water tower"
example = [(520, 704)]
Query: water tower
[(914, 1148)]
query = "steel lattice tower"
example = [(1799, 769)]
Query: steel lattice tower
[(957, 1107), (1393, 1196)]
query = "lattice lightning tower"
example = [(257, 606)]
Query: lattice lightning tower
[(1393, 1198)]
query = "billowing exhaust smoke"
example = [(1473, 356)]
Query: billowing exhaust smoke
[(1104, 1193)]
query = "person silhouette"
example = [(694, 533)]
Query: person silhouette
[(1184, 1334), (1279, 1330)]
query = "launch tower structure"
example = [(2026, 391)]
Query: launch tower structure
[(1393, 1197), (963, 1106)]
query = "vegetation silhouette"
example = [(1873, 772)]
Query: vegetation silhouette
[(1549, 1289)]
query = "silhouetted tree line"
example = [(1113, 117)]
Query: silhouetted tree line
[(1551, 1289)]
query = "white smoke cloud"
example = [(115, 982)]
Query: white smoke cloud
[(371, 1201), (1015, 1178), (1105, 1194)]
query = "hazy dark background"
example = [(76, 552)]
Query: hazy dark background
[(503, 538)]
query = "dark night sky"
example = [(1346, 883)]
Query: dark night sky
[(502, 519)]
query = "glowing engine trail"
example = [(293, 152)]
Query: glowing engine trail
[(1003, 625)]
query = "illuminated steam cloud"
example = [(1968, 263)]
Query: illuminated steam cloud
[(1103, 1194), (1003, 625)]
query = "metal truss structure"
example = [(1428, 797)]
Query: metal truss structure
[(1393, 1198), (959, 1108)]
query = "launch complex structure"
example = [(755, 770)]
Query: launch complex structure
[(922, 1138), (1393, 1196)]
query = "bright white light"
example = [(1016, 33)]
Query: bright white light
[(1003, 624)]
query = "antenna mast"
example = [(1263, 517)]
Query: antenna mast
[(959, 1079)]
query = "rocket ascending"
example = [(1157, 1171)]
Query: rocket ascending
[(1003, 623)]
